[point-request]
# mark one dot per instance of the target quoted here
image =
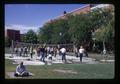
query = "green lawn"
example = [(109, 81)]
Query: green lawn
[(84, 71)]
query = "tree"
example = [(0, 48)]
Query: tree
[(105, 32), (100, 19), (50, 33), (45, 33), (7, 42), (23, 38), (30, 37), (79, 28), (60, 34)]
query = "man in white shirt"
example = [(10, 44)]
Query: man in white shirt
[(63, 52), (81, 52)]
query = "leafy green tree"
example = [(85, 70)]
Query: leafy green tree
[(60, 28), (45, 33), (7, 42), (79, 28), (30, 37), (23, 38), (50, 33), (105, 33)]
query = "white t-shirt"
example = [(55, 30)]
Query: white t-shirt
[(15, 49), (76, 50), (51, 49), (63, 50), (19, 49), (48, 48), (81, 50)]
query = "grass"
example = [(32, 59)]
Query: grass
[(7, 50), (84, 71)]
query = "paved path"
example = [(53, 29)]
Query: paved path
[(58, 59)]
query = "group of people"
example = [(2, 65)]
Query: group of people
[(39, 51), (23, 51), (48, 52), (78, 52), (53, 51)]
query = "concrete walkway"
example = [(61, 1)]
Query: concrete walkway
[(58, 59)]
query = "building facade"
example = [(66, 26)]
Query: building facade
[(13, 34), (83, 10), (78, 11)]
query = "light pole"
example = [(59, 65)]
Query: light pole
[(60, 33), (60, 36), (13, 43), (94, 43), (93, 40), (12, 48), (104, 49)]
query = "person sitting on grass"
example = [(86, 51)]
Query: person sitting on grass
[(21, 70)]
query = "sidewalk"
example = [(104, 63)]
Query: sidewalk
[(35, 60)]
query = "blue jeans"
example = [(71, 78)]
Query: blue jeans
[(42, 57), (81, 55), (63, 56)]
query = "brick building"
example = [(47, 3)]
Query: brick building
[(85, 9), (13, 34)]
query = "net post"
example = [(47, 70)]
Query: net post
[(12, 48)]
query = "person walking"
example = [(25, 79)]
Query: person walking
[(55, 51), (35, 50), (38, 51), (42, 52), (28, 50), (63, 53), (81, 52), (31, 52), (48, 50), (51, 51), (22, 51), (76, 52), (16, 50), (25, 51)]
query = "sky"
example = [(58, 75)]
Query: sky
[(32, 16)]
